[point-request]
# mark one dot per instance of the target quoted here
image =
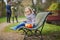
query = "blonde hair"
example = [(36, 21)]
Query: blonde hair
[(30, 9)]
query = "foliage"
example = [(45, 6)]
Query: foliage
[(54, 6), (58, 6), (3, 9), (39, 8)]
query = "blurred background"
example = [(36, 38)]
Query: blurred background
[(39, 5)]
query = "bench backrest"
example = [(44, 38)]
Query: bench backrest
[(40, 18)]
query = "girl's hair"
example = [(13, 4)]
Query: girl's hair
[(30, 9)]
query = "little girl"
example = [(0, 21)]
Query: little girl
[(30, 19)]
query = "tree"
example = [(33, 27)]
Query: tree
[(2, 8)]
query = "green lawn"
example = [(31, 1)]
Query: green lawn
[(3, 19), (49, 28)]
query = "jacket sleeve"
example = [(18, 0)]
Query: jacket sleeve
[(33, 19)]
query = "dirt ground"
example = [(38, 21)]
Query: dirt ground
[(11, 36), (3, 25), (18, 36)]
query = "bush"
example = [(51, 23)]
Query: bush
[(54, 6), (58, 6)]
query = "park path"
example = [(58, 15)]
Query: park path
[(3, 25), (9, 35)]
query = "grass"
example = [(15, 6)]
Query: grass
[(3, 19), (48, 28)]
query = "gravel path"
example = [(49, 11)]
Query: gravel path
[(9, 35), (3, 25)]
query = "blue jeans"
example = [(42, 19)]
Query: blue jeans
[(20, 26)]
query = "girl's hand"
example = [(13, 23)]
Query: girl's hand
[(28, 25)]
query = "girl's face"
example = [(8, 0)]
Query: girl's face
[(27, 11)]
